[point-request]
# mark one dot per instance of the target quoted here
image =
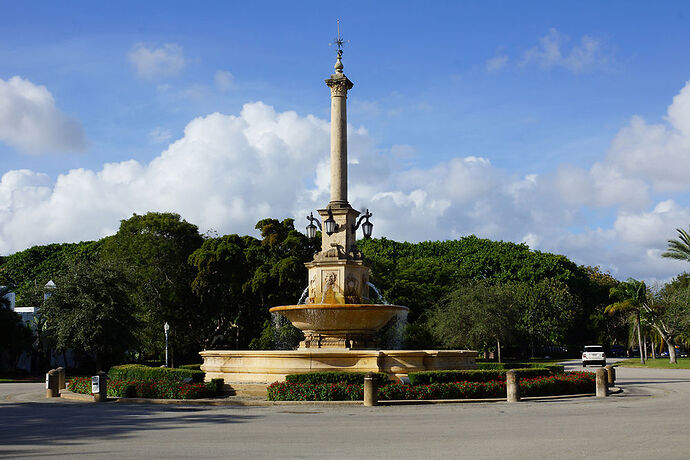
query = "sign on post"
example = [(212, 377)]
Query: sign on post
[(95, 384)]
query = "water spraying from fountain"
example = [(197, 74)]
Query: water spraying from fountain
[(303, 297), (393, 338), (380, 296)]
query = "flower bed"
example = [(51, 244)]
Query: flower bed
[(150, 388), (561, 384)]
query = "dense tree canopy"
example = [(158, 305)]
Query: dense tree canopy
[(156, 248), (215, 292), (91, 311)]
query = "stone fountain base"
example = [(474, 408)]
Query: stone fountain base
[(266, 367)]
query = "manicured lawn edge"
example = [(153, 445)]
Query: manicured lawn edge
[(659, 363)]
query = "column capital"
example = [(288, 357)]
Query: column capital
[(339, 85)]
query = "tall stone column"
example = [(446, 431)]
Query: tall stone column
[(339, 85)]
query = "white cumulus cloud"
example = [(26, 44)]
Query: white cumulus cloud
[(31, 122), (228, 171)]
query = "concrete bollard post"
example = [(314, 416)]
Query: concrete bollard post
[(512, 386), (601, 389), (52, 384), (102, 394), (61, 377), (371, 396), (610, 376)]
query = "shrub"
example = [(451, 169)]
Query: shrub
[(470, 375), (150, 388), (288, 391), (141, 372), (80, 385), (449, 390), (562, 384), (195, 367), (554, 368), (352, 378)]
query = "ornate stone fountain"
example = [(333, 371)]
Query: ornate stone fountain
[(338, 320), (337, 313)]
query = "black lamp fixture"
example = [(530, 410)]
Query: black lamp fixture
[(331, 226), (311, 228), (367, 227)]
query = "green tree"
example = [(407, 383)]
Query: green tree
[(90, 311), (238, 278), (680, 248), (15, 337), (222, 283), (36, 265), (476, 315), (630, 296), (668, 312), (156, 247), (546, 310)]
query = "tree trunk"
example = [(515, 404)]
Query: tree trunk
[(639, 337), (644, 346), (498, 349), (653, 350), (672, 352)]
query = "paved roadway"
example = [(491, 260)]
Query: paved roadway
[(649, 420)]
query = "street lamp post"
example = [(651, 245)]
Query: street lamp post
[(166, 328)]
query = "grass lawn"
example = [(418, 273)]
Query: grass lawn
[(659, 363)]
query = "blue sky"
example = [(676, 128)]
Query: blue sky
[(509, 120)]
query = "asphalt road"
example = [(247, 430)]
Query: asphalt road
[(648, 420)]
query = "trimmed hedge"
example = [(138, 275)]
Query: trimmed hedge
[(290, 391), (470, 375), (554, 368), (561, 384), (150, 389), (160, 374), (196, 367), (348, 378)]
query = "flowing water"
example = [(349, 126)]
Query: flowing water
[(279, 340), (303, 297), (393, 337), (378, 294)]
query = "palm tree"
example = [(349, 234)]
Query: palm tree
[(680, 248), (630, 297)]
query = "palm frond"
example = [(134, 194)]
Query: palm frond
[(679, 249), (622, 306)]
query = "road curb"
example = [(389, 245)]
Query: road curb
[(66, 394)]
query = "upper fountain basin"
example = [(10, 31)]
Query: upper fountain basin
[(353, 318)]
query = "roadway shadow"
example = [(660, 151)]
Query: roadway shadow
[(33, 424)]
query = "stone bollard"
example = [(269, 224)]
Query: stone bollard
[(601, 391), (610, 376), (512, 386), (61, 377), (99, 387), (52, 384), (371, 396)]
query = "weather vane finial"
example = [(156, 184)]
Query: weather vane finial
[(339, 42)]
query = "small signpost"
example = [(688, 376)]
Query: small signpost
[(99, 387)]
